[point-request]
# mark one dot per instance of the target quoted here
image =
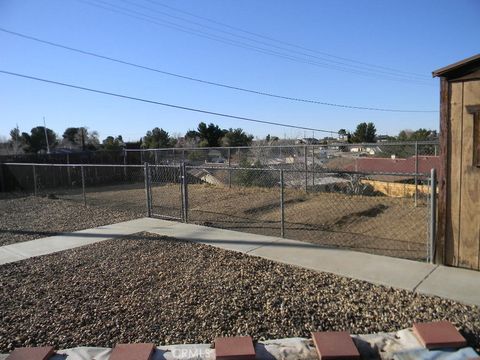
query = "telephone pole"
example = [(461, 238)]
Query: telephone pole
[(17, 131), (46, 137)]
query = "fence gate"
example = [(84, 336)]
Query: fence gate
[(165, 191)]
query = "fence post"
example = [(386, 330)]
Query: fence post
[(313, 165), (34, 180), (184, 193), (3, 185), (82, 171), (416, 173), (306, 168), (229, 167), (125, 163), (181, 182), (68, 170), (433, 214), (282, 205), (147, 189)]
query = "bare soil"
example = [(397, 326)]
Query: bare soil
[(374, 224)]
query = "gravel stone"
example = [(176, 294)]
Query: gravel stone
[(28, 218), (147, 288)]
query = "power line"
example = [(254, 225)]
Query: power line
[(162, 103), (279, 41), (196, 32), (357, 67), (290, 98), (203, 34)]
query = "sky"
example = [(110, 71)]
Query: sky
[(319, 53)]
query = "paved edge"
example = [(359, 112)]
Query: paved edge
[(451, 283)]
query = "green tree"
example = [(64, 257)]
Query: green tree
[(364, 133), (81, 137), (271, 139), (211, 135), (70, 134), (403, 136), (237, 137), (421, 135), (134, 144), (16, 140), (15, 134), (371, 133), (158, 138), (111, 143), (35, 141)]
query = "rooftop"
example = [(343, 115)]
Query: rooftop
[(460, 68)]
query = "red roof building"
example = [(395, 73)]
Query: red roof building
[(397, 166)]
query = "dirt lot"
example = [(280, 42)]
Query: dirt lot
[(374, 224), (146, 288)]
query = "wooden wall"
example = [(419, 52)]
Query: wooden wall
[(401, 190), (462, 237)]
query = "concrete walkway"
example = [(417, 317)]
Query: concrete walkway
[(452, 283)]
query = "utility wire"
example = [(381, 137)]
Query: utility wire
[(357, 67), (196, 32), (162, 103), (203, 34), (280, 41), (89, 53)]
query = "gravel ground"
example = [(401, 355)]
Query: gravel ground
[(27, 218), (155, 289)]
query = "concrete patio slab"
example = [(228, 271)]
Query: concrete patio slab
[(52, 244), (453, 283), (225, 239), (7, 256), (383, 270)]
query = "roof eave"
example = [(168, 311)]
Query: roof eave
[(459, 68)]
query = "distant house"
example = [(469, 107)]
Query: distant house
[(370, 150), (394, 165), (205, 176), (306, 141), (392, 176), (382, 138)]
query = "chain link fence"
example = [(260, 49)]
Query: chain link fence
[(380, 212), (117, 187), (339, 156), (377, 213)]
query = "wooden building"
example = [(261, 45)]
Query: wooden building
[(458, 232)]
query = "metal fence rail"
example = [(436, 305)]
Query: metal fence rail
[(94, 185), (333, 155), (396, 157), (376, 213), (389, 213)]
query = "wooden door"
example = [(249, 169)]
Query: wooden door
[(463, 228)]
